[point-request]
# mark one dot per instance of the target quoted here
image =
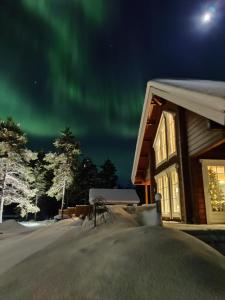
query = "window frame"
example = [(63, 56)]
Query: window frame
[(157, 137), (164, 118), (168, 172), (211, 216), (173, 115)]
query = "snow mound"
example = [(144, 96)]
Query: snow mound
[(119, 262), (12, 226)]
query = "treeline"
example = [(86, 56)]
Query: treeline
[(29, 179)]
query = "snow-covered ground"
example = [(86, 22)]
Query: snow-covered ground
[(33, 224), (115, 261)]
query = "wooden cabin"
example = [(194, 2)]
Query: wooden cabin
[(180, 149)]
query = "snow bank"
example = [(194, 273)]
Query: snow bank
[(11, 226), (119, 261)]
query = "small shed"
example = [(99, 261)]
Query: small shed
[(114, 196)]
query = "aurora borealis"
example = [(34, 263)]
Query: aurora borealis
[(85, 64)]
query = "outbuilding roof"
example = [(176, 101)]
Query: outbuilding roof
[(114, 196), (204, 97)]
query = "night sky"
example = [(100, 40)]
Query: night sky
[(85, 64)]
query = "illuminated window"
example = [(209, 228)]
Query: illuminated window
[(216, 187), (160, 142), (166, 197), (165, 140), (171, 135), (213, 171), (175, 194), (168, 186)]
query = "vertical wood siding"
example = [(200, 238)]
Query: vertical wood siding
[(198, 134)]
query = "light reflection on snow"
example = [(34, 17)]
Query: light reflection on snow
[(35, 224)]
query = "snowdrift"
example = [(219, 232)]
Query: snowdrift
[(12, 226), (119, 261)]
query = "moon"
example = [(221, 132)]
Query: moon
[(207, 17)]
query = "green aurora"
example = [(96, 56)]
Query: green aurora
[(52, 73)]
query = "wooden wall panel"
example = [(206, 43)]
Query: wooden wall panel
[(199, 210), (198, 134)]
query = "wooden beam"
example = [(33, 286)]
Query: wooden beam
[(144, 156), (146, 195), (157, 100), (150, 123)]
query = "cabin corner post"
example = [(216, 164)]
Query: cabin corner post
[(146, 194), (186, 188), (152, 175)]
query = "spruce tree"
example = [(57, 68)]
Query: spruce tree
[(107, 177), (86, 178)]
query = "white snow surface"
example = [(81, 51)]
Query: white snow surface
[(117, 261)]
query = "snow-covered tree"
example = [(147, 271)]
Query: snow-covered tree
[(16, 176), (40, 176), (63, 163)]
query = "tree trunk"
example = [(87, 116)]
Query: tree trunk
[(36, 201), (63, 198), (2, 197), (1, 209)]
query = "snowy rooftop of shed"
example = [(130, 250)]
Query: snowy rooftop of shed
[(115, 196)]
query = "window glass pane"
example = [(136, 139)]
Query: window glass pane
[(175, 194), (216, 187), (220, 170), (166, 199), (171, 133), (160, 190), (163, 140), (160, 146)]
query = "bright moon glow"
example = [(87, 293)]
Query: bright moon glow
[(207, 17)]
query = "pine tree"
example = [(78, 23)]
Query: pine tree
[(63, 163), (107, 177), (16, 176)]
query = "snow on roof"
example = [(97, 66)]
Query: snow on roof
[(209, 87), (115, 196), (204, 97)]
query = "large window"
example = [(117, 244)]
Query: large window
[(168, 186), (214, 188), (165, 141)]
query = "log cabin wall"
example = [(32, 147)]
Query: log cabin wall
[(199, 209), (200, 138)]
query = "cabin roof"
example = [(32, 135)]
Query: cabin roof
[(208, 87), (204, 97)]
